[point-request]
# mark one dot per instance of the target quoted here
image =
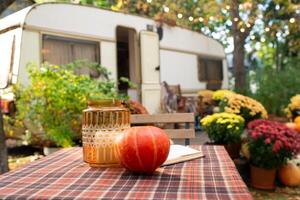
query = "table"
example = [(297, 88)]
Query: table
[(63, 175)]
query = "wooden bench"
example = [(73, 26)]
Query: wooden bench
[(183, 124)]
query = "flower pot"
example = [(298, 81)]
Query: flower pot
[(233, 150), (262, 178)]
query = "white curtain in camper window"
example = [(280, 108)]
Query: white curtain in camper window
[(63, 51), (57, 52)]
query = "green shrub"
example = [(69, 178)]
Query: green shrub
[(275, 88), (55, 98)]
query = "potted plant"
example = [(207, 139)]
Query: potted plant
[(225, 129), (247, 107), (271, 144)]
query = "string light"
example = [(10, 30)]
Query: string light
[(277, 7), (211, 18), (248, 25), (227, 7), (267, 29), (166, 9), (262, 39), (201, 19), (149, 1), (278, 34), (292, 20), (191, 18), (242, 30), (223, 32), (252, 37), (235, 19), (179, 15), (287, 32)]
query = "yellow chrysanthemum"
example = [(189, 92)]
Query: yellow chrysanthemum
[(293, 105), (237, 102), (205, 94), (220, 94), (223, 128), (222, 118)]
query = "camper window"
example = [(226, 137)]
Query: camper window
[(62, 50), (210, 70)]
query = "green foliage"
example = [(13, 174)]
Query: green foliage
[(127, 81), (99, 3), (55, 98), (96, 70), (275, 88), (276, 16), (13, 127)]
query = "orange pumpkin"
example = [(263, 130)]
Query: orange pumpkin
[(289, 175), (142, 149), (297, 127), (297, 120)]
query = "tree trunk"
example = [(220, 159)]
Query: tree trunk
[(239, 38), (238, 63), (4, 4), (3, 150)]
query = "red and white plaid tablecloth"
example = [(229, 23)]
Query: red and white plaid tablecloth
[(63, 175)]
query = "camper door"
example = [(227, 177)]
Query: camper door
[(149, 43)]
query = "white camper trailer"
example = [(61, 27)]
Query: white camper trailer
[(128, 45)]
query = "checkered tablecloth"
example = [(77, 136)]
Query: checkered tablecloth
[(63, 175)]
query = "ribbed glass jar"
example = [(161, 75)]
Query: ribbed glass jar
[(102, 122)]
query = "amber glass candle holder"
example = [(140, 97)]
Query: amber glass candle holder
[(102, 122)]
